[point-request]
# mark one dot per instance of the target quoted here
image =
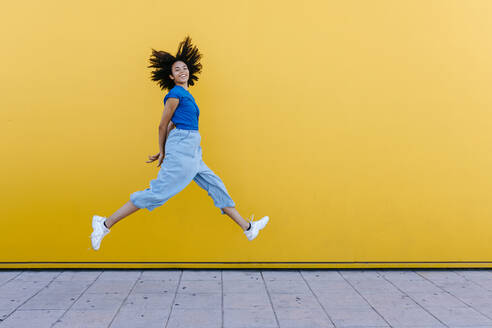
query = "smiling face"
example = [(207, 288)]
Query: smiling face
[(180, 73)]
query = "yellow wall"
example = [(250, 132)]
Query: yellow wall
[(362, 128)]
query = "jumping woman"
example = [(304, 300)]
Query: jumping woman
[(180, 151)]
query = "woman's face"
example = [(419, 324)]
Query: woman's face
[(180, 72)]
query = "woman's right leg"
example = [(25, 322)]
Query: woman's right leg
[(121, 213), (176, 172)]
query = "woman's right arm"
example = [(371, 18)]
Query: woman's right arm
[(170, 126), (169, 108)]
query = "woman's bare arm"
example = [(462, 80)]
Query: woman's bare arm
[(170, 126), (169, 108)]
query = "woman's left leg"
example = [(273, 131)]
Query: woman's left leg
[(216, 189), (234, 214)]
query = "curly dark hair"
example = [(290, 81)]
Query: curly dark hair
[(162, 61)]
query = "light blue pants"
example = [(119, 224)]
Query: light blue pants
[(182, 163)]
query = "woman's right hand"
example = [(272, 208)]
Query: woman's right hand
[(159, 156)]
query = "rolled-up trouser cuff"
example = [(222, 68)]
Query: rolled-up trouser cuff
[(226, 205)]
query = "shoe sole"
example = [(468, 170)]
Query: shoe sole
[(94, 225), (92, 243)]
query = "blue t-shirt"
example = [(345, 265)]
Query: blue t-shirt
[(186, 114)]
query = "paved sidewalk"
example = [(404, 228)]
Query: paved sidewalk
[(245, 298)]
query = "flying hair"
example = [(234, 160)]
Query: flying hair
[(162, 61)]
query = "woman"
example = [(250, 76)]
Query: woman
[(180, 150)]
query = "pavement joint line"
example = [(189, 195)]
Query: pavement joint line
[(365, 299), (83, 292), (317, 299), (27, 300), (410, 297), (459, 299), (174, 298), (5, 282), (473, 281), (269, 298), (126, 297)]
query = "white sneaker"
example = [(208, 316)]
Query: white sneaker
[(256, 226), (99, 232)]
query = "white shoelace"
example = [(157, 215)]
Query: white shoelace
[(251, 219)]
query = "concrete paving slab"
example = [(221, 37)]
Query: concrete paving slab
[(356, 316), (155, 286), (323, 275), (38, 275), (201, 275), (303, 318), (409, 286), (274, 275), (459, 316), (482, 304), (343, 299), (59, 295), (246, 274), (85, 319), (125, 275), (399, 275), (333, 285), (359, 275), (247, 286), (465, 289), (200, 286), (144, 318), (440, 275), (11, 303), (296, 300), (154, 301), (79, 275), (440, 298), (404, 316), (8, 275), (290, 287), (156, 274), (99, 302), (396, 300), (19, 288), (475, 275), (246, 300), (374, 286), (250, 318), (32, 318), (486, 284), (198, 301), (111, 286), (203, 318)]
